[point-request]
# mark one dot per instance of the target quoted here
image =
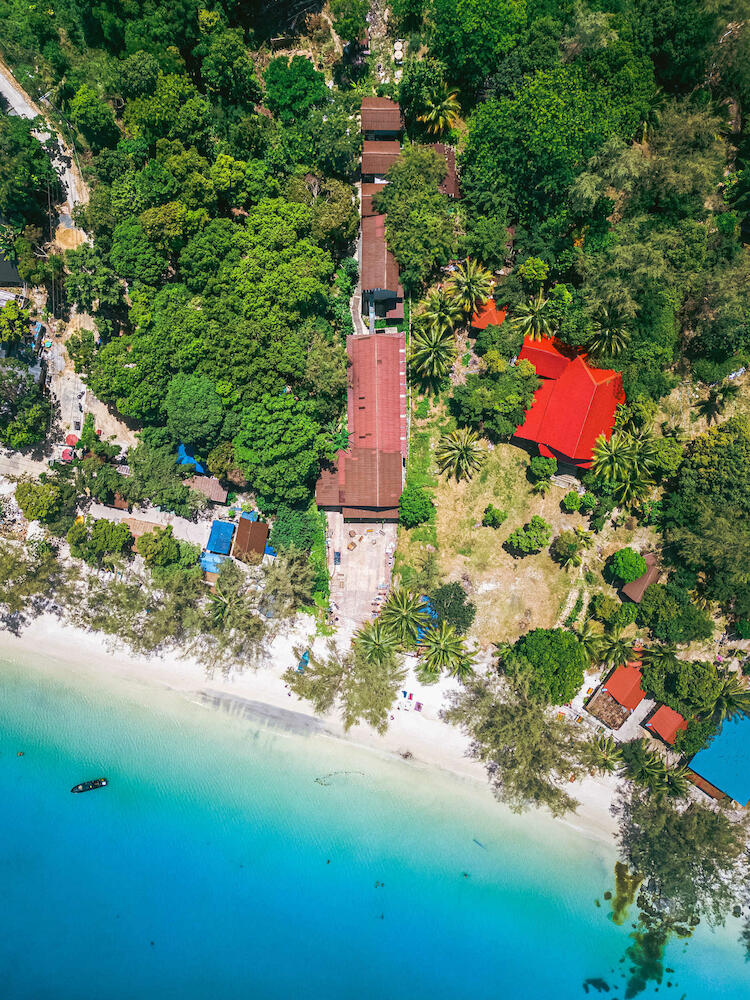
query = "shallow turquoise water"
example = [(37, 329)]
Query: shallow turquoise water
[(202, 871)]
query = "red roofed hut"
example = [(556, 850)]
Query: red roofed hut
[(624, 685), (667, 723), (488, 315), (574, 405)]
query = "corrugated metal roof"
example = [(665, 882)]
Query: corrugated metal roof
[(379, 267), (251, 537), (379, 154), (380, 114), (377, 392)]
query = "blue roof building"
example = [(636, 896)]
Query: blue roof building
[(220, 539), (726, 762)]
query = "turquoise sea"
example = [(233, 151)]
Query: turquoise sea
[(233, 859)]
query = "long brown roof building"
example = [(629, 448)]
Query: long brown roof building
[(378, 155), (367, 479)]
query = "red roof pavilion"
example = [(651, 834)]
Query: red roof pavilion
[(574, 405), (667, 723), (488, 315), (625, 686), (71, 440)]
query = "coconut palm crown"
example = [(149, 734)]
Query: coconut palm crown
[(459, 453)]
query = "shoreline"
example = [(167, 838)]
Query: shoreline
[(260, 696)]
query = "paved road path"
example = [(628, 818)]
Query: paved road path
[(63, 159), (13, 464)]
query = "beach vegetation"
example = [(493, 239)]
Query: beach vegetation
[(529, 753), (551, 662), (363, 689), (97, 541), (602, 754), (405, 614), (444, 650)]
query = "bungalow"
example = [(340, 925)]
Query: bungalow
[(381, 119), (637, 588), (574, 405), (619, 696), (667, 723), (209, 486), (250, 538), (488, 315)]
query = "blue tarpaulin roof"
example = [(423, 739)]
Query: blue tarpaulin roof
[(210, 561), (220, 539), (726, 762), (433, 615), (252, 516), (269, 550), (185, 457)]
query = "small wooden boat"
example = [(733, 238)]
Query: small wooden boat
[(88, 786)]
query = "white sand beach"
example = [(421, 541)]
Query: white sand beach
[(261, 695)]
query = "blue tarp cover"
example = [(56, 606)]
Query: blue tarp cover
[(252, 516), (269, 550), (210, 561), (433, 615), (185, 457), (726, 762), (220, 539)]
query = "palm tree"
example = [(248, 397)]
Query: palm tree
[(442, 110), (376, 643), (644, 766), (439, 310), (470, 286), (405, 615), (542, 486), (602, 754), (433, 352), (591, 641), (732, 698), (532, 318), (660, 656), (610, 336), (459, 453), (614, 650), (445, 650), (614, 460), (677, 781), (634, 488), (585, 538), (716, 402)]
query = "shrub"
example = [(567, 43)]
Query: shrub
[(554, 661), (625, 615), (38, 501), (564, 549), (697, 736), (572, 501), (294, 527), (667, 611), (493, 517), (627, 565), (415, 507), (604, 608), (588, 502), (542, 468), (532, 537), (453, 607), (742, 628)]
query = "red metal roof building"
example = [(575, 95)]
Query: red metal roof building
[(667, 723), (574, 405), (378, 155), (624, 685), (366, 196), (488, 315), (367, 480), (381, 117)]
